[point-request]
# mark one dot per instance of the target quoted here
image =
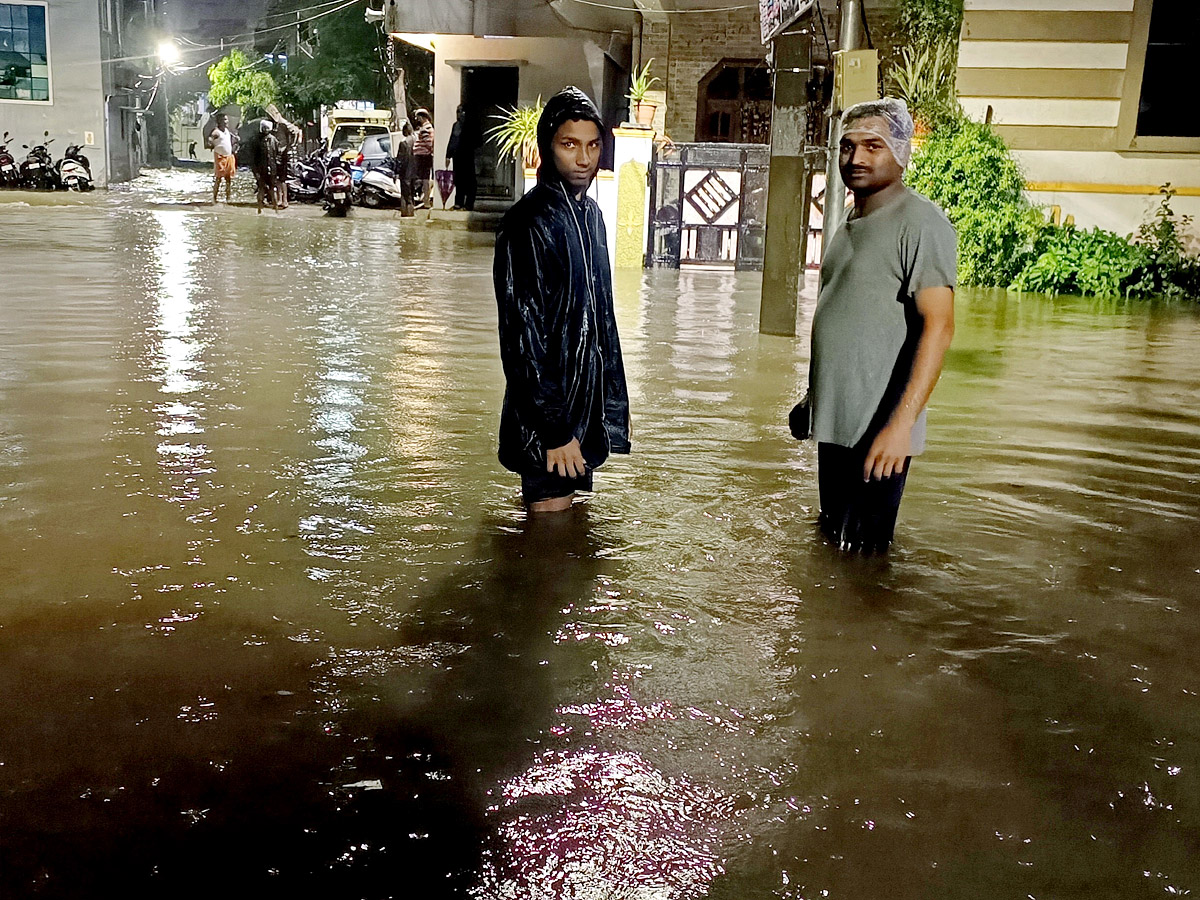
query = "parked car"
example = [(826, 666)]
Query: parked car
[(346, 138), (375, 151)]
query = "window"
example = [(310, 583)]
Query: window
[(24, 63), (1156, 114), (1168, 78)]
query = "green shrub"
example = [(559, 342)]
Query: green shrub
[(1169, 270), (1004, 241), (966, 165), (1068, 260)]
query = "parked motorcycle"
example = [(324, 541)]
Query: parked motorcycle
[(10, 175), (339, 188), (73, 172), (306, 178), (37, 171), (382, 186)]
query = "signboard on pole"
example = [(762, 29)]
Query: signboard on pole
[(775, 16)]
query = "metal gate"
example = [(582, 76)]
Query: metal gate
[(708, 205)]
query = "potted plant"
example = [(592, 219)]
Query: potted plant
[(516, 134), (639, 87)]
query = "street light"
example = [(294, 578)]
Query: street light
[(168, 53)]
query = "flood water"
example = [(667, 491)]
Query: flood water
[(272, 619)]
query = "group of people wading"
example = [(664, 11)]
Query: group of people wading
[(883, 322)]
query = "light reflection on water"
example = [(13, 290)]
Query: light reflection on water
[(271, 604)]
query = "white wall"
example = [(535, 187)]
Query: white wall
[(546, 66), (1119, 212), (76, 104)]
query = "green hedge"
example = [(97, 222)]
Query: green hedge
[(1004, 241)]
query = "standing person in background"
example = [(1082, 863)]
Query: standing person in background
[(566, 405), (283, 162), (405, 167), (263, 162), (460, 153), (883, 323), (423, 157), (223, 142)]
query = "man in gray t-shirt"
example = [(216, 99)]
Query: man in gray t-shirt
[(884, 319)]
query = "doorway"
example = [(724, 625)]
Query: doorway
[(489, 92), (734, 103)]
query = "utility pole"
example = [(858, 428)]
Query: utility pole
[(835, 190), (788, 192)]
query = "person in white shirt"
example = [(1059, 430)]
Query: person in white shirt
[(223, 141)]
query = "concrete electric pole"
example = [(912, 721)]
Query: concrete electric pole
[(788, 192)]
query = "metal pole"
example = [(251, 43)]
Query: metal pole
[(835, 191)]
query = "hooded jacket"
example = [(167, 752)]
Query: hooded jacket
[(558, 332)]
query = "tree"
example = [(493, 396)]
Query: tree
[(348, 62), (234, 80)]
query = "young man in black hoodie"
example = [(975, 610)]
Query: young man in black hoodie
[(566, 406)]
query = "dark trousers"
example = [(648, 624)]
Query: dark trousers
[(857, 515), (464, 181)]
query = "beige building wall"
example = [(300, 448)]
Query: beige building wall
[(1062, 80), (546, 66)]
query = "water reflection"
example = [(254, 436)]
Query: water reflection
[(180, 363)]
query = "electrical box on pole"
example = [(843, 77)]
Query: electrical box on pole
[(855, 77)]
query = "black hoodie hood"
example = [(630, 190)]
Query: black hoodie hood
[(568, 105)]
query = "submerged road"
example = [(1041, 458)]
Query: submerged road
[(272, 619)]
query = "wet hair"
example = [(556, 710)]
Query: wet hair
[(568, 105)]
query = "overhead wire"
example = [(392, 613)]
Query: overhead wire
[(668, 12)]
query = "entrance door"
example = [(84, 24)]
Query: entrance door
[(734, 103), (487, 92)]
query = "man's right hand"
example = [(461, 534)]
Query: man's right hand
[(567, 461)]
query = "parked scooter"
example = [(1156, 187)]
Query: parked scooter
[(37, 171), (382, 186), (306, 178), (338, 188), (10, 175), (73, 172)]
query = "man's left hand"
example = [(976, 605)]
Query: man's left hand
[(888, 453)]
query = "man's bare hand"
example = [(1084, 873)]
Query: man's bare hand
[(567, 460), (891, 447)]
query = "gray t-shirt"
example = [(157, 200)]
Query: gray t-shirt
[(865, 327)]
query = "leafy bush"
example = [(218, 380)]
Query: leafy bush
[(1169, 270), (929, 21), (1004, 241), (967, 166), (1068, 260)]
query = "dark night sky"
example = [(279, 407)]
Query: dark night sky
[(207, 21)]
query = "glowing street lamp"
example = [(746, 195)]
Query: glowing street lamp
[(168, 53)]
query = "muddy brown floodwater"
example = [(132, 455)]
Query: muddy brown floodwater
[(272, 621)]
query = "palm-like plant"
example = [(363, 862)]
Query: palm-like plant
[(925, 77), (516, 135)]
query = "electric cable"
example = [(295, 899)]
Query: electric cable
[(667, 12), (862, 10)]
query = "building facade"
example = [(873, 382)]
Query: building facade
[(50, 78), (1088, 93)]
